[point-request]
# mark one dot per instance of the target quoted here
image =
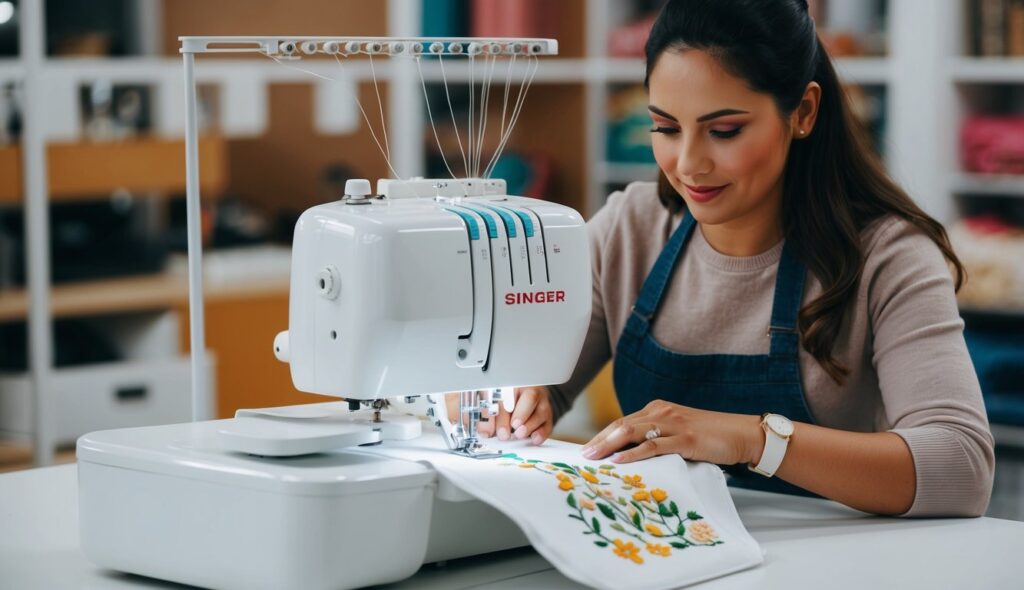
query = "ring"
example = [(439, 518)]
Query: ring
[(653, 433)]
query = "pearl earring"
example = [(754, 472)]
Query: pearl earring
[(802, 132)]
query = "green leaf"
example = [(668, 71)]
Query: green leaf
[(576, 516), (618, 527), (601, 543), (534, 461), (675, 509), (679, 545), (597, 525), (569, 471), (681, 530), (510, 456), (606, 466), (606, 510), (571, 500), (636, 519), (590, 469), (563, 465), (637, 505), (693, 515), (664, 510), (622, 501)]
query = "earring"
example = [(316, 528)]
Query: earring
[(802, 132)]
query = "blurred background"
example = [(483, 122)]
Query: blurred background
[(939, 84)]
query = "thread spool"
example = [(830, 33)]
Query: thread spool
[(351, 47), (436, 47), (309, 47), (287, 47), (332, 47), (396, 48)]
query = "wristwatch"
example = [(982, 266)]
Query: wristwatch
[(777, 430)]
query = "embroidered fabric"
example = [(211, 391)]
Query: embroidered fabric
[(658, 523)]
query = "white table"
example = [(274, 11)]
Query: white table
[(809, 543)]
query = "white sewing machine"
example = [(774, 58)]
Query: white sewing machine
[(425, 287)]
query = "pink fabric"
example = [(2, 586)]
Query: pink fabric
[(993, 145)]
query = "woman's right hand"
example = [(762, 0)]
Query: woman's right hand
[(532, 417)]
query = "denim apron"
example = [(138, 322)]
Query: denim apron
[(644, 370)]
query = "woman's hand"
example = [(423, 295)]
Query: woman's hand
[(532, 416), (697, 435)]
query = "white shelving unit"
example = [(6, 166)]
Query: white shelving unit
[(921, 75)]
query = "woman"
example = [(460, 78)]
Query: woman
[(775, 268)]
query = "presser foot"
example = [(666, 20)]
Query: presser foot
[(477, 451)]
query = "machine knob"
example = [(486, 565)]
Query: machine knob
[(357, 188), (281, 349), (328, 282)]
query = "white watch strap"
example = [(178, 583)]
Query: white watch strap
[(774, 451)]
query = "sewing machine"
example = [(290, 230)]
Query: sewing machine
[(397, 296), (426, 287)]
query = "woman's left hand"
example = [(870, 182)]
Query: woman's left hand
[(698, 435)]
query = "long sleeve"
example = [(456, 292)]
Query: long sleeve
[(930, 392), (596, 348)]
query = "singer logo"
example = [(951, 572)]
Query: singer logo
[(534, 297)]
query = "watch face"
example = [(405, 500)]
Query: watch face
[(780, 424)]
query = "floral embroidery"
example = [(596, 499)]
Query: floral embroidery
[(627, 550), (659, 549), (639, 515), (702, 532)]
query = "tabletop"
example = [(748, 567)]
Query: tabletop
[(808, 543)]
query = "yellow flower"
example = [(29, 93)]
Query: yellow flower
[(605, 472), (659, 549), (561, 476), (640, 496), (526, 465), (659, 495), (589, 476), (566, 485), (627, 550), (608, 493), (702, 532), (634, 480), (653, 530), (587, 504)]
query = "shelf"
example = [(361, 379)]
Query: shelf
[(10, 174), (86, 170), (989, 184), (990, 70), (624, 173), (130, 294), (871, 71)]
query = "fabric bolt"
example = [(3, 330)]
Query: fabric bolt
[(656, 524), (902, 339)]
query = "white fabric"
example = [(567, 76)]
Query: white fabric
[(535, 499)]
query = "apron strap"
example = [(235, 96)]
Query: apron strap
[(657, 281), (789, 294)]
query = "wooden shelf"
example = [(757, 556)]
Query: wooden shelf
[(85, 170), (131, 294)]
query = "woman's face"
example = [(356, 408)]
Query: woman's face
[(721, 145)]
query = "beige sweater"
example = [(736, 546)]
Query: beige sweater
[(903, 340)]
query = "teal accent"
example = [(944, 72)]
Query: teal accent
[(474, 229), (527, 222), (510, 223), (492, 227)]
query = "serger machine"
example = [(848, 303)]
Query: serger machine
[(397, 297)]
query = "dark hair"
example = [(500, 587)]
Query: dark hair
[(833, 184)]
